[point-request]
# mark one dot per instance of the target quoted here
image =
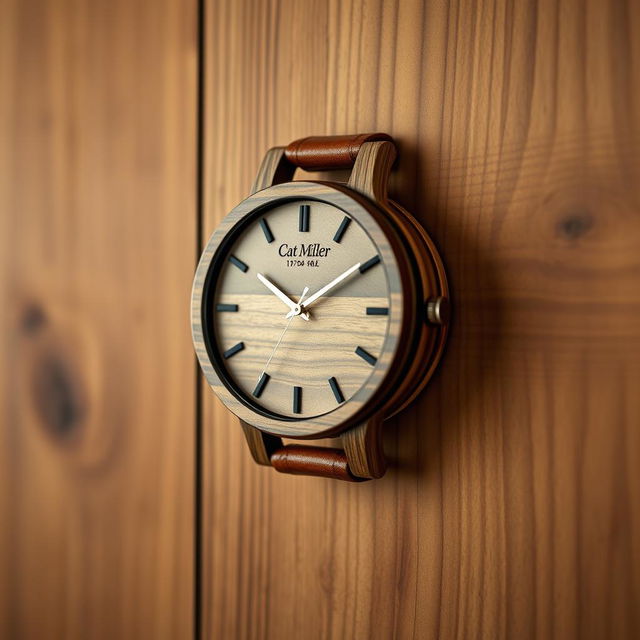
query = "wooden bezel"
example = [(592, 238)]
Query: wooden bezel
[(384, 379)]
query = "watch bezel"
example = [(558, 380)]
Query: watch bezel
[(370, 396)]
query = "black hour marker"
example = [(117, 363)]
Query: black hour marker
[(303, 218), (336, 390), (377, 311), (366, 356), (226, 307), (232, 352), (346, 221), (262, 383), (241, 265), (372, 262), (297, 399), (267, 231)]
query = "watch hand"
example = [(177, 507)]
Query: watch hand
[(273, 353), (334, 283), (283, 296)]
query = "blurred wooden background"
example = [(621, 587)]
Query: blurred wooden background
[(513, 507), (97, 378)]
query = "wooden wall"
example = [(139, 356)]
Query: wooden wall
[(513, 508), (97, 381)]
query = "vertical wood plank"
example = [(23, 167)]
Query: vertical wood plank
[(98, 232), (513, 507)]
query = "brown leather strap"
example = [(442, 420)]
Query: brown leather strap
[(322, 153), (313, 461)]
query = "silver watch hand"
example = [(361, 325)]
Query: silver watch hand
[(283, 296), (273, 353), (334, 283)]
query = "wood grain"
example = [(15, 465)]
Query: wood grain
[(512, 506), (364, 449), (371, 170), (274, 168), (97, 244)]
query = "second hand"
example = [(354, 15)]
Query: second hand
[(273, 353)]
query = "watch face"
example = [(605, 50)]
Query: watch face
[(298, 309)]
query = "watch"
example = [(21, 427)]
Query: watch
[(319, 309)]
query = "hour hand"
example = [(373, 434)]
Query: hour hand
[(283, 296)]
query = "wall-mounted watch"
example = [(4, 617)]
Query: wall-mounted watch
[(319, 309)]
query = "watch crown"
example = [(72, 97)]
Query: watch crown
[(438, 310)]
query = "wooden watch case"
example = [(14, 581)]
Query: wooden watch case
[(413, 346)]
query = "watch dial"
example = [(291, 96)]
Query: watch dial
[(311, 362)]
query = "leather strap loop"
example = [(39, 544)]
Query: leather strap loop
[(322, 153), (313, 461)]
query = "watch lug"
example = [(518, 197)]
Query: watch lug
[(370, 174), (261, 445), (274, 169), (363, 448)]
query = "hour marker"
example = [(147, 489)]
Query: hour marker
[(377, 311), (346, 221), (336, 390), (241, 265), (226, 307), (372, 262), (297, 399), (303, 218), (262, 383), (366, 356), (232, 352), (266, 230)]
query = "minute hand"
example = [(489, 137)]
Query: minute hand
[(334, 283)]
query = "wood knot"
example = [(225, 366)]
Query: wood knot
[(33, 319), (57, 397), (575, 225)]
